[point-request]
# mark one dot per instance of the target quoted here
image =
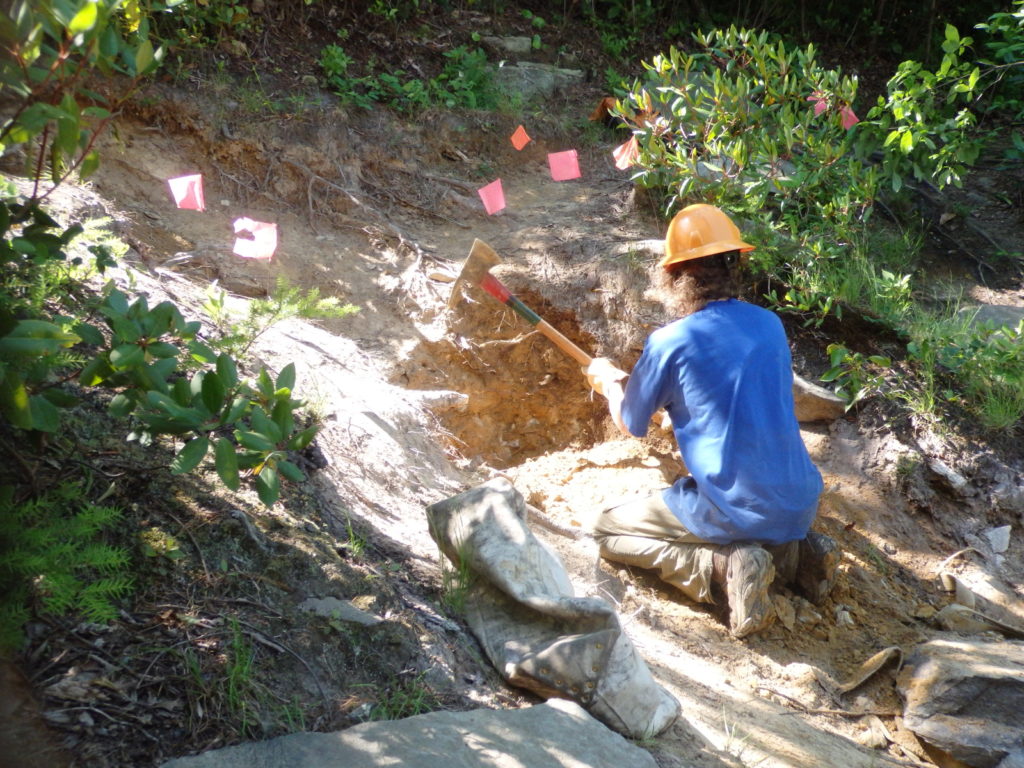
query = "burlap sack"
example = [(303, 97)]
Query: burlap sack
[(521, 607)]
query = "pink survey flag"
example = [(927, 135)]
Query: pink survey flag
[(187, 192), (626, 154), (520, 138), (262, 241), (493, 197), (564, 165)]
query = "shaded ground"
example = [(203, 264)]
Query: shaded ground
[(376, 210)]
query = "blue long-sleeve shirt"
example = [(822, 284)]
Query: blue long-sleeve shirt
[(724, 374)]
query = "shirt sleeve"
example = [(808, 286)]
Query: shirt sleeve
[(645, 390)]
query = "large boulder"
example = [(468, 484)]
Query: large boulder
[(965, 698), (556, 734)]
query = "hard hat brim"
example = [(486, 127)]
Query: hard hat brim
[(721, 246)]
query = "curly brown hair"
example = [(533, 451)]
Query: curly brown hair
[(688, 286)]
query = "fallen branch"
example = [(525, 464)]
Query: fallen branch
[(202, 560), (804, 709)]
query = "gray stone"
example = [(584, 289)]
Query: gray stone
[(333, 608), (965, 698), (996, 315), (1009, 496), (515, 44), (814, 403), (954, 479), (531, 80), (998, 538), (557, 734)]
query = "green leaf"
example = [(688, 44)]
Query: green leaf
[(60, 398), (265, 425), (143, 57), (286, 379), (227, 463), (304, 438), (283, 415), (181, 391), (238, 408), (155, 375), (12, 345), (213, 392), (45, 416), (254, 441), (162, 349), (290, 471), (89, 165), (201, 353), (265, 385), (268, 486), (117, 302), (126, 356), (227, 370), (906, 142), (190, 455), (14, 400), (95, 372), (121, 405), (88, 333), (84, 20)]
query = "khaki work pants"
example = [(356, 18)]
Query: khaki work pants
[(644, 533)]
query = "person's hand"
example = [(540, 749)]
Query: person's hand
[(601, 373)]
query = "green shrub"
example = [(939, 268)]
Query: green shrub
[(465, 82)]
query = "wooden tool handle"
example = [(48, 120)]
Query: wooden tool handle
[(564, 343)]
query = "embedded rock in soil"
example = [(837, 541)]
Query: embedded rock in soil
[(965, 698), (556, 733)]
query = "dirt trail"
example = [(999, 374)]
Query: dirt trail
[(370, 212)]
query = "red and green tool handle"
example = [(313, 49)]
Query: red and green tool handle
[(497, 289)]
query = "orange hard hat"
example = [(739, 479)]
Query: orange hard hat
[(700, 230)]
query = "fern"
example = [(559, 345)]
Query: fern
[(53, 559)]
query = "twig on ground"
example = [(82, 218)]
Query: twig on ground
[(816, 711), (250, 530), (954, 556), (433, 214), (260, 637), (536, 516), (199, 551)]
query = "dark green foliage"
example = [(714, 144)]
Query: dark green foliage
[(55, 559), (465, 82)]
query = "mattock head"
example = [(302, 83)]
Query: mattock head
[(482, 258)]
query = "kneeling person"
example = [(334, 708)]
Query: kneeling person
[(723, 373)]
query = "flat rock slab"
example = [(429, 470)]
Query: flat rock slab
[(556, 734), (965, 698), (814, 403), (535, 81), (997, 315)]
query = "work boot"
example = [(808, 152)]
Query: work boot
[(749, 574), (819, 562)]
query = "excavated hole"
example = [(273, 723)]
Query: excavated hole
[(526, 397)]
